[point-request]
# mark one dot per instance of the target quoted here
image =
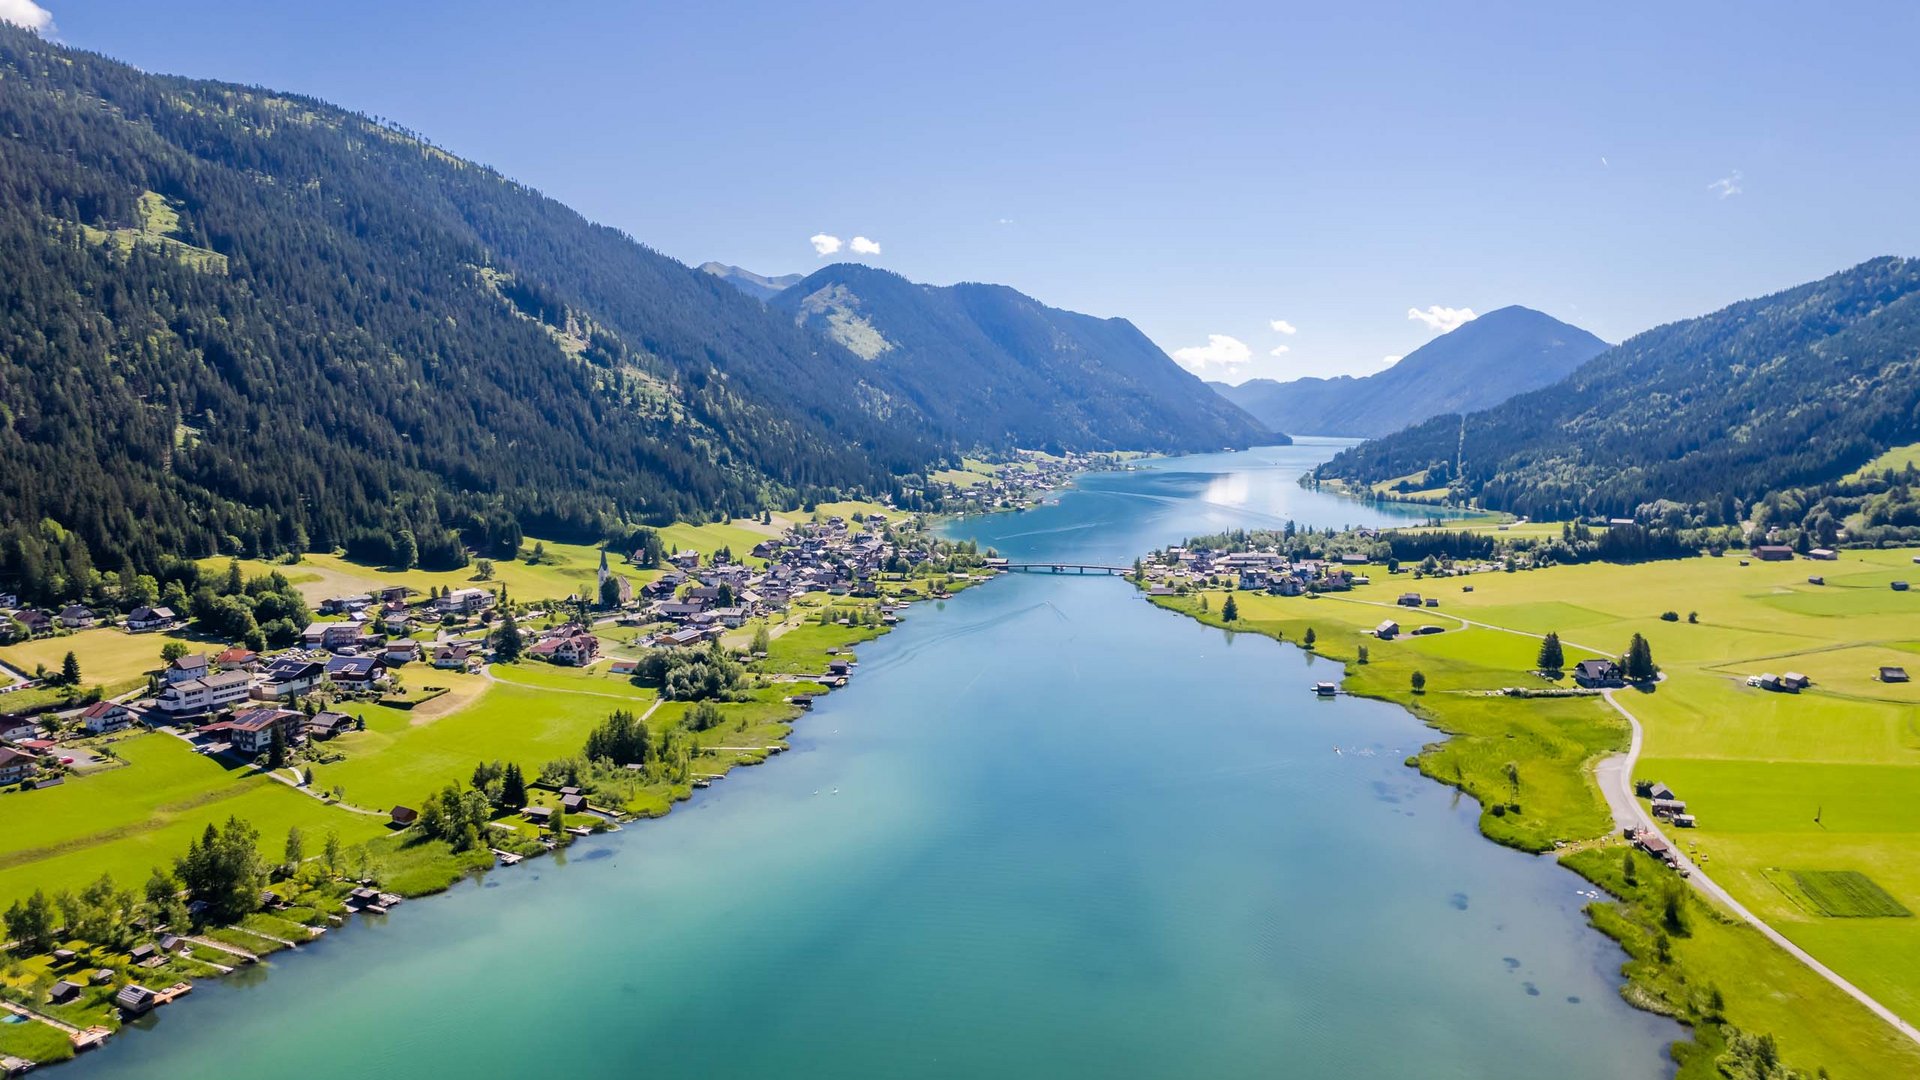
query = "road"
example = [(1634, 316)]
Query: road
[(1615, 777)]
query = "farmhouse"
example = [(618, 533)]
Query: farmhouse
[(188, 667), (325, 725), (576, 650), (150, 618), (105, 716), (1597, 673), (251, 732), (16, 765), (77, 617), (36, 622), (456, 657)]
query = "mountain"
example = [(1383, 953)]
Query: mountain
[(758, 286), (1476, 366), (993, 366), (1795, 388), (234, 320)]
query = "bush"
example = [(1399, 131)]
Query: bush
[(1669, 616)]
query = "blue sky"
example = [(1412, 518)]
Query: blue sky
[(1205, 170)]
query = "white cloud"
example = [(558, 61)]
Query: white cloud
[(1279, 350), (26, 13), (1727, 186), (863, 246), (1282, 326), (1603, 162), (1220, 355), (823, 245), (1390, 360), (1005, 221), (1442, 319)]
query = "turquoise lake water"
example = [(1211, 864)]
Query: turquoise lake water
[(1048, 831)]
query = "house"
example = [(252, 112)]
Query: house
[(356, 671), (1387, 631), (400, 652), (291, 676), (1893, 674), (150, 618), (192, 697), (467, 601), (135, 999), (395, 594), (325, 725), (21, 728), (237, 658), (102, 717), (183, 668), (37, 622), (16, 765), (251, 732), (77, 617), (345, 605), (456, 657), (539, 815), (330, 635), (575, 650), (404, 816), (1772, 552), (1597, 673), (624, 667)]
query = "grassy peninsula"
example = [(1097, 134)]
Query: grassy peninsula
[(1822, 780)]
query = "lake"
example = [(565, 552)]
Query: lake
[(1049, 830)]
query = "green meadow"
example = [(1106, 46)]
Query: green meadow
[(1820, 786)]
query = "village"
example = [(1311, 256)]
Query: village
[(393, 648)]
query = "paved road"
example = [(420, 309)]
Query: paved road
[(1615, 777), (1616, 782)]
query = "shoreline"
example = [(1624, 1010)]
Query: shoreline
[(239, 947), (1639, 916)]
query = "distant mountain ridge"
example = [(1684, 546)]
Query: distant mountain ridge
[(758, 286), (993, 365), (1505, 352), (1799, 387)]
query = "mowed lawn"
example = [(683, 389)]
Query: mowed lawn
[(1758, 768), (108, 656), (563, 570), (130, 819)]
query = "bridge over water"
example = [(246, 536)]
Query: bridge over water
[(1068, 568)]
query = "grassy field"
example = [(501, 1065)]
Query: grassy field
[(107, 656), (563, 570), (1896, 459), (1824, 784), (129, 819)]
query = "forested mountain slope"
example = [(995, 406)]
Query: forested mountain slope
[(235, 320), (1790, 389), (993, 366), (1482, 363)]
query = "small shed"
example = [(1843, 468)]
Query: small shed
[(63, 992), (404, 816), (1684, 821), (1893, 674), (1387, 630), (1793, 680), (134, 999), (1899, 586)]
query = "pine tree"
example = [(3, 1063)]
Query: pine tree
[(507, 642), (1552, 656), (277, 746), (513, 788), (1638, 663), (1230, 611), (70, 670)]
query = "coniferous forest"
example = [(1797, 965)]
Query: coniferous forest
[(238, 321)]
